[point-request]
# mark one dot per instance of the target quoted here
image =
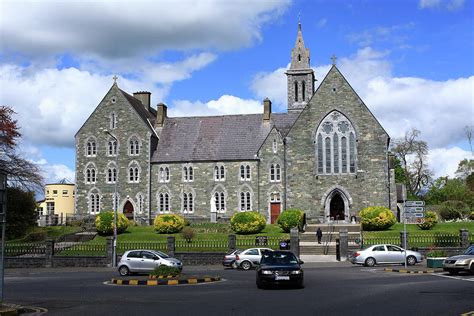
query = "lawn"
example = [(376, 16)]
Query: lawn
[(53, 232)]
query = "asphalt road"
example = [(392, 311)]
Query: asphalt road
[(330, 289)]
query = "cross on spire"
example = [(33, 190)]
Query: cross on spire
[(115, 78), (333, 58)]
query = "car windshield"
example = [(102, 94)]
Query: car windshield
[(469, 251), (234, 252), (161, 254), (276, 259)]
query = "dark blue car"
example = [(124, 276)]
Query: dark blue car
[(280, 268)]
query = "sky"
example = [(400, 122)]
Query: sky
[(411, 62)]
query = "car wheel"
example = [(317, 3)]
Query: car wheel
[(300, 285), (260, 284), (246, 265), (411, 260), (453, 272), (124, 271), (369, 262), (472, 268)]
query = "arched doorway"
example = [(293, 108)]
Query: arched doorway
[(336, 208), (128, 210)]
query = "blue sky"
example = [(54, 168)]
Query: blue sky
[(412, 62)]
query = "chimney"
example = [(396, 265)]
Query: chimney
[(144, 97), (161, 114), (267, 110)]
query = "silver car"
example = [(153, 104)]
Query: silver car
[(249, 258), (464, 262), (378, 254), (145, 261)]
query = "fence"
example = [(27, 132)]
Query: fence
[(247, 242), (420, 240), (210, 245), (80, 249), (123, 246), (25, 249)]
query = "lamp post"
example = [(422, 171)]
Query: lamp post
[(3, 209), (114, 255)]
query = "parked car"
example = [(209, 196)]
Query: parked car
[(279, 268), (145, 261), (250, 258), (464, 262), (379, 254), (229, 258)]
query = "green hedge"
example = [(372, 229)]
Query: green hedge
[(168, 223), (291, 218), (247, 222), (104, 223), (377, 218)]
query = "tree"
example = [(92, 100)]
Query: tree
[(21, 173), (444, 189), (465, 168), (21, 212), (412, 154)]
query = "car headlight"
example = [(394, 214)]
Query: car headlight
[(462, 261), (296, 272), (266, 272)]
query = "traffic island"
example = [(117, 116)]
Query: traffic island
[(424, 271), (167, 281)]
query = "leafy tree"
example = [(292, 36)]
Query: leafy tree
[(21, 212), (444, 189), (412, 154), (400, 176), (21, 172), (465, 168)]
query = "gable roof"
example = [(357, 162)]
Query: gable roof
[(148, 117), (217, 138)]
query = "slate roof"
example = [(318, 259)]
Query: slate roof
[(217, 138), (142, 112)]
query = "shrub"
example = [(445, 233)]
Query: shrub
[(452, 210), (471, 216), (291, 218), (437, 253), (104, 223), (377, 218), (247, 222), (36, 236), (431, 219), (188, 234), (163, 270), (168, 223)]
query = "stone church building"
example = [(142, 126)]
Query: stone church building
[(328, 155)]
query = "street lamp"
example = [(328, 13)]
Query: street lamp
[(114, 255), (3, 209)]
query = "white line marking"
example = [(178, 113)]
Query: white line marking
[(453, 277)]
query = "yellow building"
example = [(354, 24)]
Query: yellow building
[(58, 203)]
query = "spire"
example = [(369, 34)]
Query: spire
[(299, 54)]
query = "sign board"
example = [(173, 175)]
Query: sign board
[(415, 220), (414, 209), (261, 241), (414, 203)]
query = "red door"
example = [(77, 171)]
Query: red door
[(128, 210), (274, 211)]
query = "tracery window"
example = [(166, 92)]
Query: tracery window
[(218, 201), (188, 203), (112, 147), (133, 173), (91, 148), (164, 202), (134, 147), (245, 201), (164, 175), (275, 172), (90, 174), (245, 172), (188, 174), (94, 203), (336, 148), (219, 173)]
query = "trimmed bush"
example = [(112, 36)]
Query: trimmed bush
[(165, 271), (377, 218), (188, 234), (452, 210), (247, 222), (431, 219), (168, 223), (104, 223), (291, 218)]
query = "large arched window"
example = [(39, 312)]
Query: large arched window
[(164, 202), (164, 174), (275, 172), (90, 174), (219, 173), (303, 90), (112, 147), (94, 202), (218, 202), (91, 148), (336, 149), (188, 202), (296, 91), (111, 173), (133, 172), (133, 146)]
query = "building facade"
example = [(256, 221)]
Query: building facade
[(58, 203), (328, 155)]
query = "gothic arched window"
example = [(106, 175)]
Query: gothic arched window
[(296, 91), (303, 88), (336, 148)]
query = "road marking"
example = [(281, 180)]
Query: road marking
[(453, 277)]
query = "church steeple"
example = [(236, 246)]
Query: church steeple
[(300, 75)]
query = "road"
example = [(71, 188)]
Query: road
[(330, 289)]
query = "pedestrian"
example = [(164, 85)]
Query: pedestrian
[(319, 234)]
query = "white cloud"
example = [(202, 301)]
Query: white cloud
[(445, 161), (226, 104), (451, 5), (322, 23), (120, 29), (272, 85)]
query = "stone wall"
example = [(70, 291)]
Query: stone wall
[(200, 258)]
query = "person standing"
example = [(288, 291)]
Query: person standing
[(319, 234)]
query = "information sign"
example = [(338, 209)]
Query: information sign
[(414, 203)]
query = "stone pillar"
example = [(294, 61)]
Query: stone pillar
[(110, 250), (343, 244), (464, 238), (232, 242), (49, 252), (295, 241), (170, 246), (402, 240)]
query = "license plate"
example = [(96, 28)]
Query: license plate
[(282, 278)]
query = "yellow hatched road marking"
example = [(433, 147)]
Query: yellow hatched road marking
[(133, 282), (192, 281), (207, 279), (152, 282), (172, 282), (119, 282)]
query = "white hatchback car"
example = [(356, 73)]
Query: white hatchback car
[(249, 258), (145, 261)]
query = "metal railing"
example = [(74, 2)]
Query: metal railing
[(80, 249), (25, 249), (123, 246)]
